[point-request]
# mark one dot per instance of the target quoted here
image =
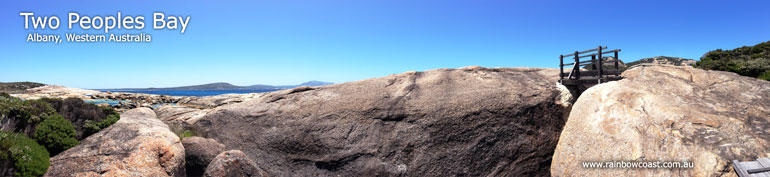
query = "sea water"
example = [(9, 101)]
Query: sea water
[(195, 92), (100, 101)]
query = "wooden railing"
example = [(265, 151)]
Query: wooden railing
[(599, 75)]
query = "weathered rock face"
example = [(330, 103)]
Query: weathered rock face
[(233, 163), (180, 118), (667, 113), (137, 145), (199, 152), (471, 121), (216, 100)]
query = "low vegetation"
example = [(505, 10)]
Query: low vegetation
[(55, 125), (676, 61), (24, 113), (17, 87), (56, 133), (90, 127), (26, 156), (752, 61), (182, 133), (86, 117)]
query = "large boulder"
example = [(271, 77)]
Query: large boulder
[(233, 163), (470, 121), (199, 152), (667, 113), (137, 145)]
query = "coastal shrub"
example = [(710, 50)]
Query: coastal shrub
[(765, 76), (17, 87), (36, 110), (56, 134), (26, 112), (751, 61), (5, 95), (87, 118), (90, 127), (28, 157)]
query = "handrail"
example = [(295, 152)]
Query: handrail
[(585, 51), (588, 61), (609, 51)]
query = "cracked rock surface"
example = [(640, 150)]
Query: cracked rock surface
[(469, 121), (137, 145), (667, 113)]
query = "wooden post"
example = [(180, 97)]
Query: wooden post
[(593, 62), (561, 67), (577, 65), (616, 63), (600, 64)]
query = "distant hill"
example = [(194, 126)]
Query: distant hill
[(752, 61), (309, 83), (17, 87), (664, 60), (211, 86), (224, 85)]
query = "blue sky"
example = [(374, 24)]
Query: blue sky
[(286, 42)]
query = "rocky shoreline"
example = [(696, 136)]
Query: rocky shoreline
[(128, 101), (470, 121)]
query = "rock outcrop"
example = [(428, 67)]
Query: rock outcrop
[(180, 118), (667, 113), (233, 163), (137, 145), (199, 152), (470, 121), (136, 100), (216, 100), (55, 91)]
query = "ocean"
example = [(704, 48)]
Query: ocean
[(195, 92)]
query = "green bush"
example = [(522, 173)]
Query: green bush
[(87, 118), (90, 127), (26, 113), (28, 157), (56, 134), (765, 76), (37, 110), (751, 61)]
